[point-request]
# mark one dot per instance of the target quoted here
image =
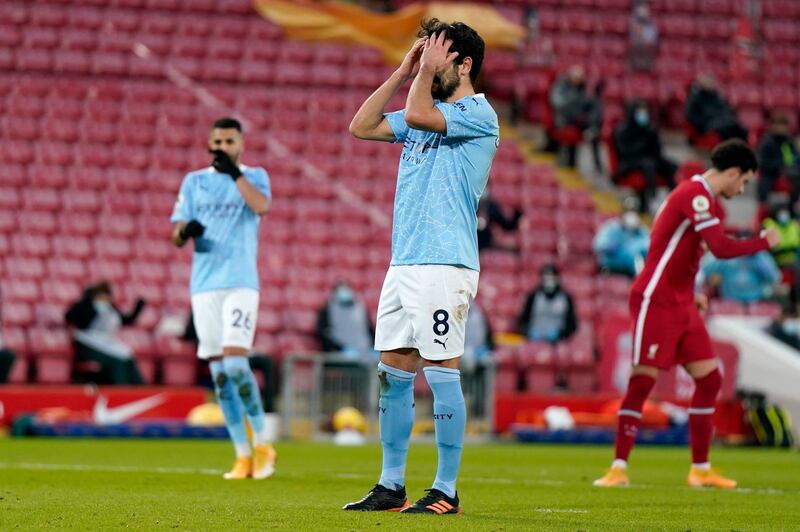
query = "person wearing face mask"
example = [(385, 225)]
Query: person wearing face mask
[(786, 327), (343, 324), (574, 106), (621, 243), (786, 253), (638, 148), (707, 110), (96, 320), (643, 37), (779, 157), (745, 279), (548, 313)]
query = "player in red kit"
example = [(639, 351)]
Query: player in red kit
[(667, 326)]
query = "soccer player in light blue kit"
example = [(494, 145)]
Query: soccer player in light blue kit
[(219, 207), (449, 136)]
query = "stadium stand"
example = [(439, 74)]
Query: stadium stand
[(105, 106)]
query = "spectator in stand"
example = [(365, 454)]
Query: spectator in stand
[(343, 323), (707, 110), (638, 148), (786, 255), (643, 37), (97, 320), (478, 341), (490, 214), (621, 243), (7, 358), (574, 106), (786, 327), (548, 313), (778, 156), (744, 279)]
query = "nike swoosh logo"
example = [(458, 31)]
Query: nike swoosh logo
[(103, 415)]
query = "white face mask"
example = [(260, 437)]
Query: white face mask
[(344, 295), (102, 306), (630, 220)]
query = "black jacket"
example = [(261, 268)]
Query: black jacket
[(82, 312), (770, 154), (706, 107), (634, 142)]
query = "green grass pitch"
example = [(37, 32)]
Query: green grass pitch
[(176, 484)]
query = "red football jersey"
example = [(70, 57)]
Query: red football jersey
[(685, 222)]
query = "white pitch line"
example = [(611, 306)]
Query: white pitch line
[(31, 466), (110, 468), (561, 510)]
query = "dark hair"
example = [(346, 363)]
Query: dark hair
[(466, 42), (734, 153), (227, 123), (103, 287), (549, 268)]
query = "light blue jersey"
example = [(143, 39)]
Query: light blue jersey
[(439, 182), (225, 256)]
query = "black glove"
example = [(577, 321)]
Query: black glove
[(224, 165), (192, 230)]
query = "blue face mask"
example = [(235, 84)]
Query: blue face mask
[(784, 217), (642, 117)]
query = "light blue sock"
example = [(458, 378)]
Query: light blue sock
[(231, 407), (396, 415), (450, 420), (246, 387)]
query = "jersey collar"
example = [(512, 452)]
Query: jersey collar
[(700, 179)]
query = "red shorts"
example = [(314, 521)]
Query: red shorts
[(668, 335)]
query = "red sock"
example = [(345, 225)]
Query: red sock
[(630, 414), (701, 415)]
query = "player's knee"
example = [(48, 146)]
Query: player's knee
[(245, 390), (220, 385), (711, 383)]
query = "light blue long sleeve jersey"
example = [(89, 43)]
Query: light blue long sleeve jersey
[(226, 255), (745, 279), (440, 180), (619, 249)]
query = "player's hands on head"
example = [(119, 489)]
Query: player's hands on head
[(193, 229), (225, 165), (410, 65), (772, 235), (436, 53)]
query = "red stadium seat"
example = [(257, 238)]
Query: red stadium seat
[(114, 271), (46, 38), (178, 361), (32, 245), (17, 313)]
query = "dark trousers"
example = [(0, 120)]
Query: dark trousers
[(113, 370), (767, 181), (266, 367), (651, 168), (727, 127), (7, 358)]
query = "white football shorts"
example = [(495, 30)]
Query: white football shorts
[(224, 318), (425, 307)]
